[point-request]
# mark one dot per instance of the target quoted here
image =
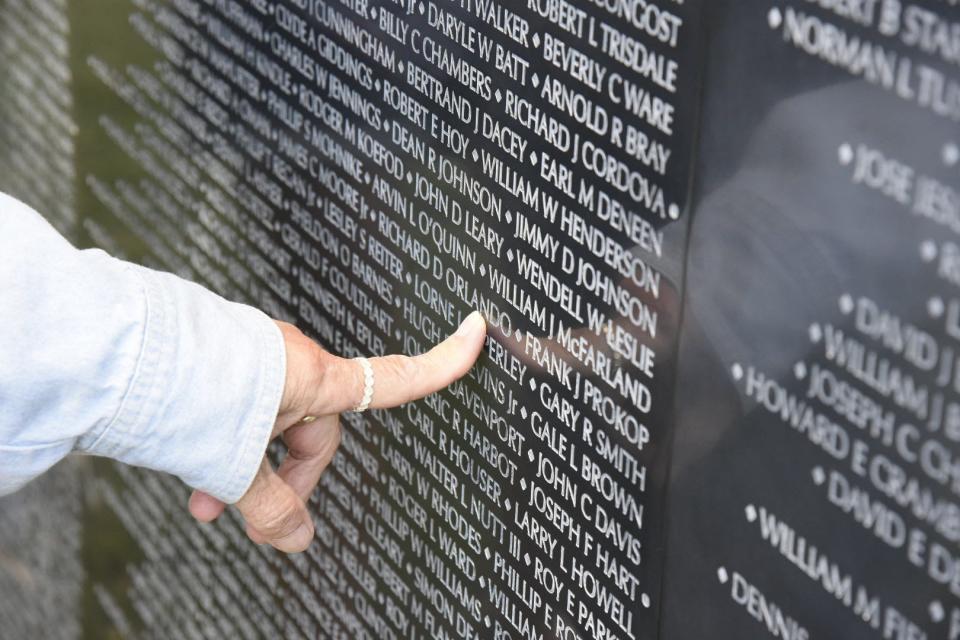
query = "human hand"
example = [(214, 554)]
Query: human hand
[(321, 385)]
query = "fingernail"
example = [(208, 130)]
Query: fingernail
[(470, 324)]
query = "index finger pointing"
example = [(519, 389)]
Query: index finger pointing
[(401, 379)]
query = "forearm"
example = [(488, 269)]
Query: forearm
[(101, 356)]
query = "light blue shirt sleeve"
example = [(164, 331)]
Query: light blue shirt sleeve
[(104, 357)]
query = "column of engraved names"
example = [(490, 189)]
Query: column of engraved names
[(41, 571), (414, 566), (878, 397), (37, 128), (587, 231)]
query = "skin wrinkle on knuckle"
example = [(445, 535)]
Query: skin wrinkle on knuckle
[(260, 504), (282, 523), (255, 494), (299, 456)]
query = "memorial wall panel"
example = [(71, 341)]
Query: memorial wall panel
[(814, 475), (715, 246)]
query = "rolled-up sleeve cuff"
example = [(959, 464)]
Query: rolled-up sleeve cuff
[(254, 435), (204, 396)]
